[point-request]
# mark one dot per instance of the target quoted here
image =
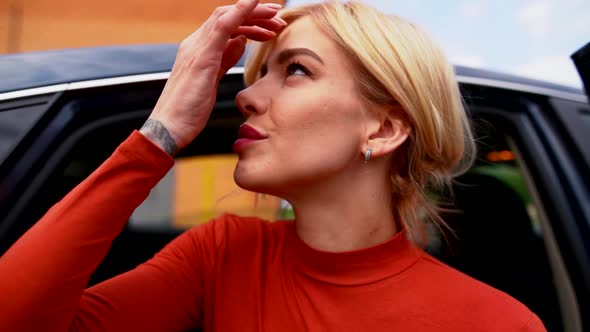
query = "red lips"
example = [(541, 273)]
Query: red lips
[(246, 136), (247, 131)]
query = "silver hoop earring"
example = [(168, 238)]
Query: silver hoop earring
[(368, 155)]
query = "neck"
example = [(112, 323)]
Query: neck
[(349, 212)]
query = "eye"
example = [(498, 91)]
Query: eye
[(295, 68)]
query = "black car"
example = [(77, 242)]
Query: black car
[(521, 215)]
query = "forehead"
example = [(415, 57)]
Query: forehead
[(305, 33)]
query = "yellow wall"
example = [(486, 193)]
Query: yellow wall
[(29, 25), (204, 188)]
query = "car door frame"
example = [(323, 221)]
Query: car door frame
[(527, 117)]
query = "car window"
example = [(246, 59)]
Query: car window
[(16, 119)]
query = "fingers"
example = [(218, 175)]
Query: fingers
[(254, 33), (231, 55), (263, 16), (272, 24), (235, 15), (229, 21), (262, 11)]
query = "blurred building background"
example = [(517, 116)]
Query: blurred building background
[(199, 188), (31, 25)]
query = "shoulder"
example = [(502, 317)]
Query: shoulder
[(227, 238), (465, 299), (234, 225), (239, 232)]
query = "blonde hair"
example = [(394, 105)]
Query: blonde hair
[(397, 63)]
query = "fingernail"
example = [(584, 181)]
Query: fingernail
[(273, 5), (280, 20)]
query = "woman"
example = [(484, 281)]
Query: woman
[(349, 115)]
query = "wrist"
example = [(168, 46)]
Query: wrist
[(156, 132)]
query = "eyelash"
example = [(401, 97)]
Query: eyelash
[(296, 65)]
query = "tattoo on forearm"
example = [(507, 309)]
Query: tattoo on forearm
[(155, 130)]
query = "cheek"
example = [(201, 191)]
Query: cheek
[(321, 134)]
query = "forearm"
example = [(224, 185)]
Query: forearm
[(43, 275)]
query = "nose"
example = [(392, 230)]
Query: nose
[(251, 101)]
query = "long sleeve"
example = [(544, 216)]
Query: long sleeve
[(534, 324), (43, 276)]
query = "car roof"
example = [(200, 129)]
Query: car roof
[(36, 69), (47, 68)]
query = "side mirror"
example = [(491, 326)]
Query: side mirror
[(581, 59)]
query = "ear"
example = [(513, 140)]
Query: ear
[(387, 129)]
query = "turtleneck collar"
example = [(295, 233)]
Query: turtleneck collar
[(351, 268)]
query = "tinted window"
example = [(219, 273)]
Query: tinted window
[(16, 119)]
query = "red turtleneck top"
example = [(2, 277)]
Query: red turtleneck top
[(231, 274)]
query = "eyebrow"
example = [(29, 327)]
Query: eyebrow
[(288, 53)]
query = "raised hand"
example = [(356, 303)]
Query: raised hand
[(203, 58)]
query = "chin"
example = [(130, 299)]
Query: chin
[(260, 180), (249, 179)]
